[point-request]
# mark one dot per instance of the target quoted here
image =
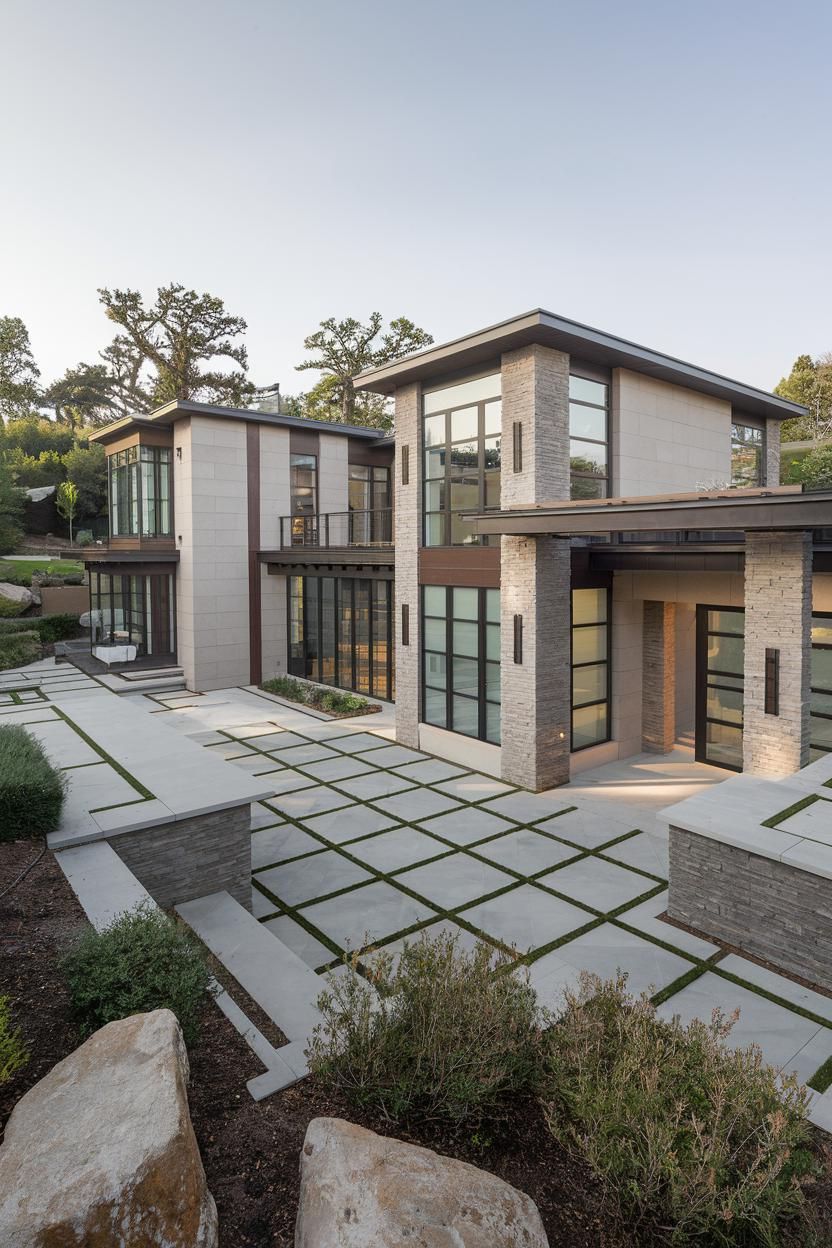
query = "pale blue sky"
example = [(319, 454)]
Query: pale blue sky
[(660, 170)]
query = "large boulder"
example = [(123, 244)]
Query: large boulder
[(18, 594), (358, 1188), (101, 1152)]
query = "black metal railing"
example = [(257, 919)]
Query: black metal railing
[(338, 529)]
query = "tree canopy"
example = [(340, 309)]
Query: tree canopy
[(19, 391), (809, 383), (341, 350)]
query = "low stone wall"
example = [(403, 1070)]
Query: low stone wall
[(193, 857), (65, 599), (774, 911)]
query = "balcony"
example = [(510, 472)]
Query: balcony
[(338, 530)]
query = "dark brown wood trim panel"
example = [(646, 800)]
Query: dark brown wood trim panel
[(373, 456), (466, 566), (255, 627), (140, 437), (304, 442)]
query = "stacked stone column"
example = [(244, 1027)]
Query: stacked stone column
[(658, 714), (408, 521)]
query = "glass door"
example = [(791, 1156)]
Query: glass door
[(720, 652)]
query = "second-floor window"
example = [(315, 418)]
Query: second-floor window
[(140, 492), (588, 438), (303, 485), (462, 439), (746, 456), (371, 518)]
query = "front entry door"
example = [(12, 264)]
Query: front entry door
[(720, 647)]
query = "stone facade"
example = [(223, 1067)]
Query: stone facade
[(193, 857), (762, 906), (535, 386), (536, 694), (408, 521), (659, 677), (771, 467), (778, 608)]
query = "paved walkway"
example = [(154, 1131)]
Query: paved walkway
[(365, 843)]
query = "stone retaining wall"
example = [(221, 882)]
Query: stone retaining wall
[(193, 857), (771, 910)]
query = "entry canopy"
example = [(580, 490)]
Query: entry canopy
[(775, 508)]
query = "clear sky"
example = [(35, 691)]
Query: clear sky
[(657, 169)]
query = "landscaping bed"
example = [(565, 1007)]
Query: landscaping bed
[(329, 703)]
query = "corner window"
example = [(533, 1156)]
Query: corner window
[(461, 660), (746, 456), (588, 438), (140, 492), (462, 458), (590, 667), (820, 701)]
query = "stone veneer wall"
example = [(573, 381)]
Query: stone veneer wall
[(193, 857), (778, 608), (408, 521), (535, 389), (771, 468), (659, 677), (771, 910)]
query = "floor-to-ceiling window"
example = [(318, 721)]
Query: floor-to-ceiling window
[(820, 727), (340, 632), (140, 492), (133, 610), (303, 497), (588, 438), (590, 667), (720, 664), (461, 660), (462, 461)]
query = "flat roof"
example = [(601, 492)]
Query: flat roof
[(781, 507), (178, 408), (591, 345)]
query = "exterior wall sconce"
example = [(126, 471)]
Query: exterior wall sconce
[(772, 695), (179, 452), (518, 639), (405, 624)]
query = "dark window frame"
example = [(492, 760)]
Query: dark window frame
[(162, 598), (702, 684), (579, 475), (445, 512), (125, 490), (607, 699), (309, 665), (815, 714), (758, 444), (482, 700)]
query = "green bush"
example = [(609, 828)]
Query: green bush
[(49, 628), (311, 695), (19, 648), (13, 1054), (84, 537), (702, 1143), (31, 789), (9, 609), (447, 1036), (142, 961)]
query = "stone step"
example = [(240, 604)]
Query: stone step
[(148, 682), (272, 975)]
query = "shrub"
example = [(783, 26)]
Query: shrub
[(13, 1054), (18, 649), (142, 961), (31, 789), (9, 608), (448, 1036), (703, 1143), (84, 537), (333, 700), (49, 628)]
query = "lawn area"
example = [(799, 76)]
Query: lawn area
[(20, 571)]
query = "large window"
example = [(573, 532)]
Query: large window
[(461, 660), (340, 632), (588, 438), (462, 436), (820, 735), (720, 682), (590, 667), (134, 610), (303, 485), (371, 517), (140, 492), (746, 455)]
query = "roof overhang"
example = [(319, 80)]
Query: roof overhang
[(786, 507), (591, 345), (179, 409)]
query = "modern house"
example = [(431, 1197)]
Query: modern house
[(592, 555)]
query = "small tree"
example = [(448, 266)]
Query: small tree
[(67, 503)]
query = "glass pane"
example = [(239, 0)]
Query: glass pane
[(820, 732), (434, 530), (822, 629), (436, 666), (464, 424), (311, 628), (492, 682), (434, 430), (588, 487), (492, 605), (589, 606), (466, 677), (725, 654), (589, 684), (589, 725), (492, 722), (588, 391), (821, 702), (723, 744), (493, 417), (492, 452), (435, 463), (436, 708), (435, 600), (725, 704), (726, 622), (466, 713), (434, 495), (464, 457), (362, 636), (345, 676), (463, 392), (434, 634), (465, 638), (587, 422), (466, 604), (822, 669), (492, 489), (492, 642), (589, 644), (465, 494), (462, 532), (328, 630), (587, 457), (380, 648)]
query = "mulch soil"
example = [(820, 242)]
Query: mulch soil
[(251, 1150)]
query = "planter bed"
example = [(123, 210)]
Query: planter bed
[(309, 689)]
